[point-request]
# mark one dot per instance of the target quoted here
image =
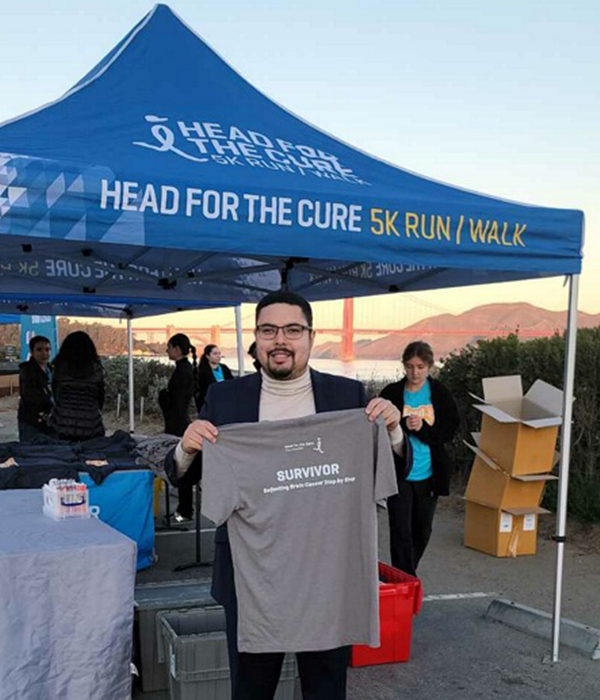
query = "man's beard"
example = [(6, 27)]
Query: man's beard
[(280, 372)]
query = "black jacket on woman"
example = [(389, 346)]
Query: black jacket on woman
[(78, 401), (205, 379), (36, 395), (175, 399), (447, 421)]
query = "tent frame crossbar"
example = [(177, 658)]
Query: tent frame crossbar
[(324, 276), (237, 285), (196, 263), (423, 276), (233, 272), (336, 274), (122, 266)]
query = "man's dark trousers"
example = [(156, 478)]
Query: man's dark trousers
[(255, 676), (322, 673)]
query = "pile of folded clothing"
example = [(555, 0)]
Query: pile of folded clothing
[(30, 466)]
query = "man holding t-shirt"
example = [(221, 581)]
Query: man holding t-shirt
[(285, 388)]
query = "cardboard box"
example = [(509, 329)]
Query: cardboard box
[(519, 432), (502, 533), (493, 487)]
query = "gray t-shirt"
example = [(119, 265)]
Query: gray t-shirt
[(299, 497)]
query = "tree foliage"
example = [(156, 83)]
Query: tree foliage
[(542, 358), (149, 377)]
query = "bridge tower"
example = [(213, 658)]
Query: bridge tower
[(347, 346)]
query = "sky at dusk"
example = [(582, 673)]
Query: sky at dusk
[(500, 98)]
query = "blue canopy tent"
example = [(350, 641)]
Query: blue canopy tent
[(77, 305), (7, 319), (164, 175)]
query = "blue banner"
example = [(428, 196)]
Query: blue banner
[(163, 174), (6, 319), (124, 500), (38, 325)]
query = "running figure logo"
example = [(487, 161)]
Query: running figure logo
[(316, 445), (165, 138)]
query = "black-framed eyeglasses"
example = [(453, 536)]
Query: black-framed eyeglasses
[(291, 331)]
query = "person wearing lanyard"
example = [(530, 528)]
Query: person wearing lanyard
[(430, 418), (35, 388), (210, 371)]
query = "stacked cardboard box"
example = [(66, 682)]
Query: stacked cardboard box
[(514, 454)]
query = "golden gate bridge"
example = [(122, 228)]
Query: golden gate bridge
[(346, 333)]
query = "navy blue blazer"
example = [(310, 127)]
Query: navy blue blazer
[(238, 401)]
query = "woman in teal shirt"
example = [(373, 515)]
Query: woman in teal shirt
[(211, 370), (430, 418)]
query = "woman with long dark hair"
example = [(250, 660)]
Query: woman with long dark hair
[(175, 399), (211, 370), (175, 402), (430, 418), (78, 389)]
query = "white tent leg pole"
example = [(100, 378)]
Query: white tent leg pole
[(239, 339), (130, 373), (565, 449)]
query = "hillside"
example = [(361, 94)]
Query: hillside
[(448, 332)]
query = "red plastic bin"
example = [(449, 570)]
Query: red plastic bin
[(400, 597)]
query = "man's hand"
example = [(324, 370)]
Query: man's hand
[(414, 423), (196, 433), (385, 409)]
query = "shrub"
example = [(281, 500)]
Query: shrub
[(149, 377), (542, 358)]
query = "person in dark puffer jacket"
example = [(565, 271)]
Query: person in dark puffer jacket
[(78, 388)]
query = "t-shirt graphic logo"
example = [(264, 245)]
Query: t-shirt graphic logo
[(424, 411), (317, 446)]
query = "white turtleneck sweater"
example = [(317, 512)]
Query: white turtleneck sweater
[(282, 399), (291, 398)]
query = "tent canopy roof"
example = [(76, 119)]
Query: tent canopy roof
[(13, 306), (165, 175)]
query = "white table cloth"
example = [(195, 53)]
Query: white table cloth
[(66, 596)]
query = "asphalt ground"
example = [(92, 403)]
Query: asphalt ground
[(456, 652)]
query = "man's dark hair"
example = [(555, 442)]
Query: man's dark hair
[(37, 339), (284, 297)]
